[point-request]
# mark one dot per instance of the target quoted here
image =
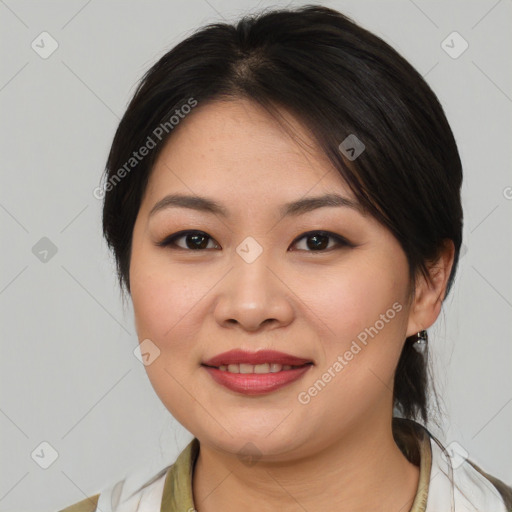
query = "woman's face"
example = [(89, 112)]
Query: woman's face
[(257, 280)]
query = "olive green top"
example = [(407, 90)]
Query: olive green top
[(178, 496)]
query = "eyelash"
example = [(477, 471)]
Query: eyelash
[(170, 241)]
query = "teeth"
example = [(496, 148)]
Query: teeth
[(255, 368), (246, 368), (262, 368)]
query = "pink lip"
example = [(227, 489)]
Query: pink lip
[(263, 356), (256, 383)]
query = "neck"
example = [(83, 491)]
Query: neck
[(365, 470)]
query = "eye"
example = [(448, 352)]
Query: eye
[(318, 241), (194, 240)]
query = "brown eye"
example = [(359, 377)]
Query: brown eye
[(318, 241), (193, 241)]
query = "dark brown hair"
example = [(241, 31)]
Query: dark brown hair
[(338, 80)]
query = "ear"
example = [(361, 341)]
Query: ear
[(429, 294)]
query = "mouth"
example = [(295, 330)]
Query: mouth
[(245, 359), (256, 368), (256, 373)]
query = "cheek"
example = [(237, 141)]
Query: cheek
[(159, 304), (163, 296), (350, 299), (364, 308), (165, 301)]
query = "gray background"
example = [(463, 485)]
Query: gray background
[(69, 376)]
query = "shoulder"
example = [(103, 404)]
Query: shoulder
[(168, 489), (456, 479), (504, 489), (447, 476), (87, 505)]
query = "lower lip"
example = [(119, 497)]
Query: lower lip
[(256, 383)]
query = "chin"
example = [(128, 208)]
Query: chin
[(252, 444)]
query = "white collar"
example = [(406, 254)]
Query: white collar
[(470, 491)]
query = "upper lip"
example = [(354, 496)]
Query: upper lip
[(238, 356)]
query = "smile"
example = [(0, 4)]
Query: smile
[(256, 373), (256, 368), (246, 380)]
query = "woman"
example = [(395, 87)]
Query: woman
[(282, 198)]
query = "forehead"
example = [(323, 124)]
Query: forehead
[(237, 147)]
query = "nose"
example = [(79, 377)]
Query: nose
[(253, 296)]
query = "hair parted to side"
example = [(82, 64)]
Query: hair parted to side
[(337, 79)]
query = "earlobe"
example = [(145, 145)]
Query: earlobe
[(430, 293)]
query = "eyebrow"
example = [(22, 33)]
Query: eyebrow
[(295, 208)]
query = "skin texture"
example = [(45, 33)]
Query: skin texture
[(193, 304)]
